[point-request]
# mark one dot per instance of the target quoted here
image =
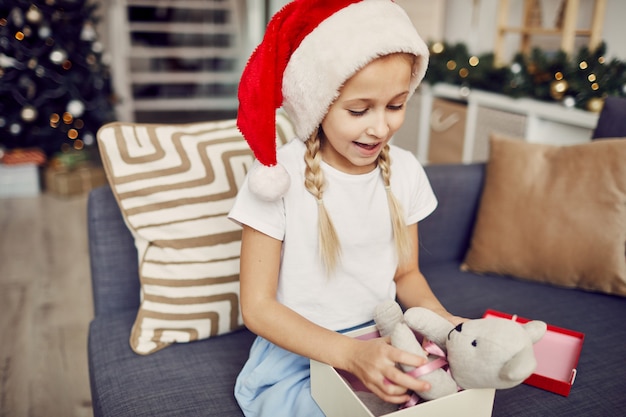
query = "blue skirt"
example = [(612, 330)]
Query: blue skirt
[(275, 382)]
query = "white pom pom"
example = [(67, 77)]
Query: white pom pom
[(268, 183)]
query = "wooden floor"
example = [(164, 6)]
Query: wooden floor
[(45, 307)]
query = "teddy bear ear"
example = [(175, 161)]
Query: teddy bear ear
[(519, 367), (535, 329)]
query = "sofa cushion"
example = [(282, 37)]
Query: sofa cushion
[(599, 385), (555, 214), (187, 379), (175, 185)]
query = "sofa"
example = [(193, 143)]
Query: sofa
[(197, 378)]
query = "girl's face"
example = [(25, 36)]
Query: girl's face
[(369, 110)]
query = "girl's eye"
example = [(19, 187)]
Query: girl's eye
[(357, 112), (396, 107)]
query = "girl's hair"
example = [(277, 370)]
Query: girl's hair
[(330, 248)]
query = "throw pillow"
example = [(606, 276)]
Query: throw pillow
[(555, 214), (611, 122), (175, 185)]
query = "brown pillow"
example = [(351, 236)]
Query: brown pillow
[(554, 214)]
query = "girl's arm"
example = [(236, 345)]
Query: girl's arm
[(413, 290), (371, 361)]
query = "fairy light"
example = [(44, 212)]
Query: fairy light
[(437, 47), (54, 120)]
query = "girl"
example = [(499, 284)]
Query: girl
[(328, 231)]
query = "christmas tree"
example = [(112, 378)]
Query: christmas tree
[(55, 89)]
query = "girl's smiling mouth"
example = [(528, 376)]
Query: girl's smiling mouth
[(367, 147)]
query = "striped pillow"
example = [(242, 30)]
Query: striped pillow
[(175, 185)]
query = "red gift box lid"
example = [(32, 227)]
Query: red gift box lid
[(557, 356)]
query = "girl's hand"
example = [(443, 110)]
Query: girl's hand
[(456, 320), (374, 363)]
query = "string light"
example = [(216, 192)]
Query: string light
[(545, 76), (437, 47), (54, 120), (67, 118)]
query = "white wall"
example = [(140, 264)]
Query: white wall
[(474, 23)]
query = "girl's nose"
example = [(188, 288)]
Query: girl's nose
[(379, 127)]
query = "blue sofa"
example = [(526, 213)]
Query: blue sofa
[(196, 379)]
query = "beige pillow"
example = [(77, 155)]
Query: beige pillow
[(175, 185), (554, 214)]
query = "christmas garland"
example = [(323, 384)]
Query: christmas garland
[(582, 81)]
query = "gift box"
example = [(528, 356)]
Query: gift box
[(336, 394), (557, 355), (64, 181), (20, 180)]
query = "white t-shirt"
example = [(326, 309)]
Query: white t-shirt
[(358, 208)]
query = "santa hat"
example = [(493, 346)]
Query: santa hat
[(310, 48)]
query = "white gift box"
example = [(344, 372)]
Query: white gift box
[(20, 180), (337, 398)]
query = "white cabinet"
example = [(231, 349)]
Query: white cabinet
[(528, 119)]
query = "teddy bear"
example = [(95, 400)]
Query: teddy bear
[(480, 353)]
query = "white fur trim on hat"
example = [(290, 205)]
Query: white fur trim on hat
[(340, 46)]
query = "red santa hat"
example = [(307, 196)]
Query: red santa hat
[(310, 48)]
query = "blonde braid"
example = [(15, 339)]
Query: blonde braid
[(403, 241), (314, 182)]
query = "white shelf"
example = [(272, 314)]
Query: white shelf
[(545, 122), (183, 52), (197, 77), (182, 4), (544, 110), (183, 28), (188, 104), (174, 58)]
